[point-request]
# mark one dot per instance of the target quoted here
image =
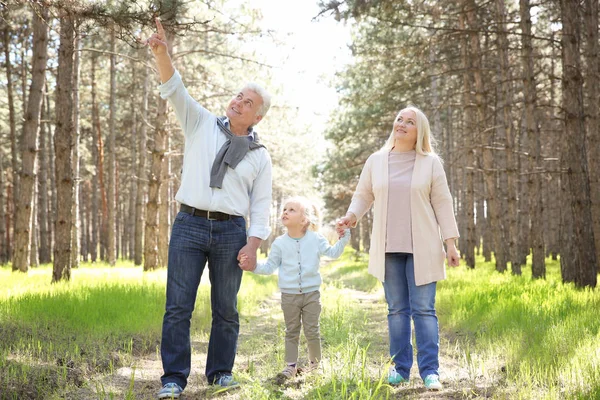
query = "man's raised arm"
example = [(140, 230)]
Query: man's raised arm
[(160, 49)]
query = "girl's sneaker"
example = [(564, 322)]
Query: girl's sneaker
[(432, 382), (289, 371), (394, 378), (312, 366)]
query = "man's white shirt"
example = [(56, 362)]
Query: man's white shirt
[(246, 189)]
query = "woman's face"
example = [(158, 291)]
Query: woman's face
[(405, 128)]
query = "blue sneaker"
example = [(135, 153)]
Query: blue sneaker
[(226, 382), (432, 382), (394, 378), (171, 390)]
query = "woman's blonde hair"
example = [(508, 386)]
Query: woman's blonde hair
[(309, 210), (424, 140)]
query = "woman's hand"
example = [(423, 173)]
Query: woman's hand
[(158, 41), (344, 223), (452, 254)]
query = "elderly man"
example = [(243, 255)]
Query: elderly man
[(226, 175)]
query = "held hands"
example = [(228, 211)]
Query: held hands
[(158, 41), (344, 223), (247, 258)]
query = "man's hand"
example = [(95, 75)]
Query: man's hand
[(159, 46), (247, 255), (158, 41)]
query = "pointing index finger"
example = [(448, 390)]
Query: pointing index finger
[(159, 28)]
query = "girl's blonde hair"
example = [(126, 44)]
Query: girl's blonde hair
[(310, 211), (424, 140)]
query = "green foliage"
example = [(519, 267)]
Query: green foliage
[(56, 335), (527, 339), (545, 334)]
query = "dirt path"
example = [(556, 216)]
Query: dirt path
[(140, 380)]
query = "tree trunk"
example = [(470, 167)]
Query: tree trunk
[(3, 207), (62, 144), (151, 261), (75, 230), (111, 173), (83, 217), (509, 131), (151, 256), (34, 260), (534, 179), (578, 262), (29, 142), (13, 130), (133, 182), (592, 78), (52, 173), (97, 181), (552, 185), (140, 216), (469, 129), (43, 205), (164, 209)]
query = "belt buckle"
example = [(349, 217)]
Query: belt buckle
[(208, 216)]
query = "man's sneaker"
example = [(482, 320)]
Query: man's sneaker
[(171, 390), (432, 382), (289, 371), (394, 378), (226, 381)]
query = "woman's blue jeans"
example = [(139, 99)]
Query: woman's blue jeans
[(405, 301), (194, 242)]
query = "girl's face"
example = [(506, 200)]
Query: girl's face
[(293, 215)]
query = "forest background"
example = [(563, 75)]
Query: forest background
[(90, 156)]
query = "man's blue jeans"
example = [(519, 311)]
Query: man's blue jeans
[(405, 301), (194, 241)]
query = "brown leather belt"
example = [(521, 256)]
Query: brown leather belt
[(210, 215)]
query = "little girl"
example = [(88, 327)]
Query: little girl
[(296, 254)]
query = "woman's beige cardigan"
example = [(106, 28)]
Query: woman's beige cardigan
[(431, 211)]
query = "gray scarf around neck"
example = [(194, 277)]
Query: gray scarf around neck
[(232, 152)]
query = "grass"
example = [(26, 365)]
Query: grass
[(57, 335), (543, 336), (528, 339)]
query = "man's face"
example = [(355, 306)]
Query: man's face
[(243, 108)]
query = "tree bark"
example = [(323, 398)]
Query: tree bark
[(3, 207), (133, 182), (29, 142), (151, 260), (75, 230), (592, 79), (140, 216), (111, 173), (468, 131), (534, 182), (97, 228), (509, 130), (578, 262), (13, 130), (62, 144), (151, 256), (164, 209), (43, 205)]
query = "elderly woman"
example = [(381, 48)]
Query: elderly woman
[(413, 212)]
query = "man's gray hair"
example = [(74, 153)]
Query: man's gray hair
[(265, 96)]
